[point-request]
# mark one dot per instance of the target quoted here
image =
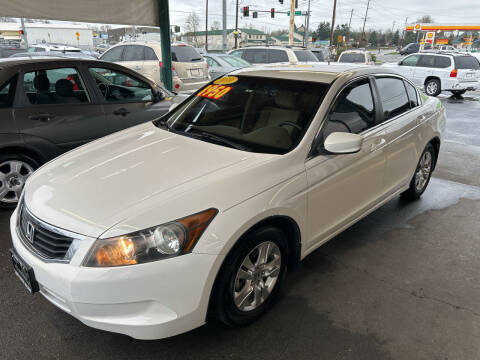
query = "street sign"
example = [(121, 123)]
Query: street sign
[(340, 38), (297, 13), (78, 35)]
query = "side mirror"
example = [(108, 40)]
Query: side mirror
[(343, 143)]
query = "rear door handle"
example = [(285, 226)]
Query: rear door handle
[(41, 117), (121, 111)]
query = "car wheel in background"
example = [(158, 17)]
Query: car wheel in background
[(14, 171), (250, 277), (422, 175), (432, 87)]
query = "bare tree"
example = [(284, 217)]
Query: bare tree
[(215, 25), (191, 25), (425, 19)]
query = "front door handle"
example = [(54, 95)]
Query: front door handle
[(378, 144), (421, 118), (41, 117), (121, 111)]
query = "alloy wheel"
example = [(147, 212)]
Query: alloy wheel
[(432, 88), (423, 171), (13, 174), (257, 276)]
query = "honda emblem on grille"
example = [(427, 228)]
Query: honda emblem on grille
[(30, 232)]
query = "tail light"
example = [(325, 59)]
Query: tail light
[(160, 64), (454, 73)]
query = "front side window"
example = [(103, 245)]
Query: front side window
[(133, 53), (354, 110), (55, 86), (117, 86), (113, 55), (235, 61), (211, 62), (276, 56), (393, 97), (412, 95), (256, 56), (352, 58), (411, 60), (254, 114)]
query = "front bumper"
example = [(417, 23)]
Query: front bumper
[(146, 301)]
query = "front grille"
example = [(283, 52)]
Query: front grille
[(44, 240)]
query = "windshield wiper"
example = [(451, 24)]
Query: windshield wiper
[(218, 139)]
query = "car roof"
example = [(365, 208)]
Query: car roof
[(281, 47), (442, 53), (323, 73), (354, 51)]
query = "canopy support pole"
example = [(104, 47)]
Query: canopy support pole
[(164, 23)]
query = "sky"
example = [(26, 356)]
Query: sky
[(383, 14)]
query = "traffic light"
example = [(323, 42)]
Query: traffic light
[(20, 32), (272, 13), (296, 4), (246, 11), (255, 14), (280, 1)]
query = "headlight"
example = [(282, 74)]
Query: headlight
[(159, 242)]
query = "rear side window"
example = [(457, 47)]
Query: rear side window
[(305, 55), (442, 62), (7, 93), (185, 54), (412, 95), (55, 86), (354, 110), (275, 56), (150, 54), (133, 53), (426, 61), (256, 56), (466, 62), (393, 96), (113, 55)]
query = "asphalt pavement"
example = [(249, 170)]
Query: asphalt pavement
[(403, 283)]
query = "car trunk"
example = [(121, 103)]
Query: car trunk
[(468, 68), (188, 63)]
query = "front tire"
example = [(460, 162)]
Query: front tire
[(250, 278), (433, 87), (14, 171), (422, 175)]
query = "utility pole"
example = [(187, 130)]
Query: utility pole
[(24, 32), (292, 22), (333, 22), (224, 16), (365, 21), (206, 28), (306, 35), (405, 31), (236, 26), (349, 24)]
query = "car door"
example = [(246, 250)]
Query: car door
[(401, 116), (127, 99), (424, 69), (54, 105), (406, 67), (341, 187)]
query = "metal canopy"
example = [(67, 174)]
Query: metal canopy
[(128, 12)]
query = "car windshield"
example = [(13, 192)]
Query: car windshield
[(263, 115), (235, 61), (305, 55), (181, 53), (352, 58), (466, 62)]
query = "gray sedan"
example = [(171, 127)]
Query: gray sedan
[(220, 64)]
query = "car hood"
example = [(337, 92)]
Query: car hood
[(92, 188)]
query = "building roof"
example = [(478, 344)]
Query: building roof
[(220, 32)]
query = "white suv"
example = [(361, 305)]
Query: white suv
[(259, 55), (441, 72), (190, 70)]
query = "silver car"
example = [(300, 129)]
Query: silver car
[(220, 64)]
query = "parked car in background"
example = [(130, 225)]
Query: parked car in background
[(437, 72), (322, 53), (220, 64), (410, 49), (32, 55), (258, 55), (448, 48), (356, 57), (7, 51), (52, 47), (51, 105), (190, 70), (154, 230)]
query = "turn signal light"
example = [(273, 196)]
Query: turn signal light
[(454, 73)]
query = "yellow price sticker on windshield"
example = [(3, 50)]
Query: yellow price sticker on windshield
[(214, 91), (226, 80)]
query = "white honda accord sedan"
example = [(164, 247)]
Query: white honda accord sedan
[(153, 230)]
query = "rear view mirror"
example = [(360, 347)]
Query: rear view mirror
[(343, 143)]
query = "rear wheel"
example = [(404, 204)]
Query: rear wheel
[(14, 171), (251, 277), (433, 87), (422, 175)]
